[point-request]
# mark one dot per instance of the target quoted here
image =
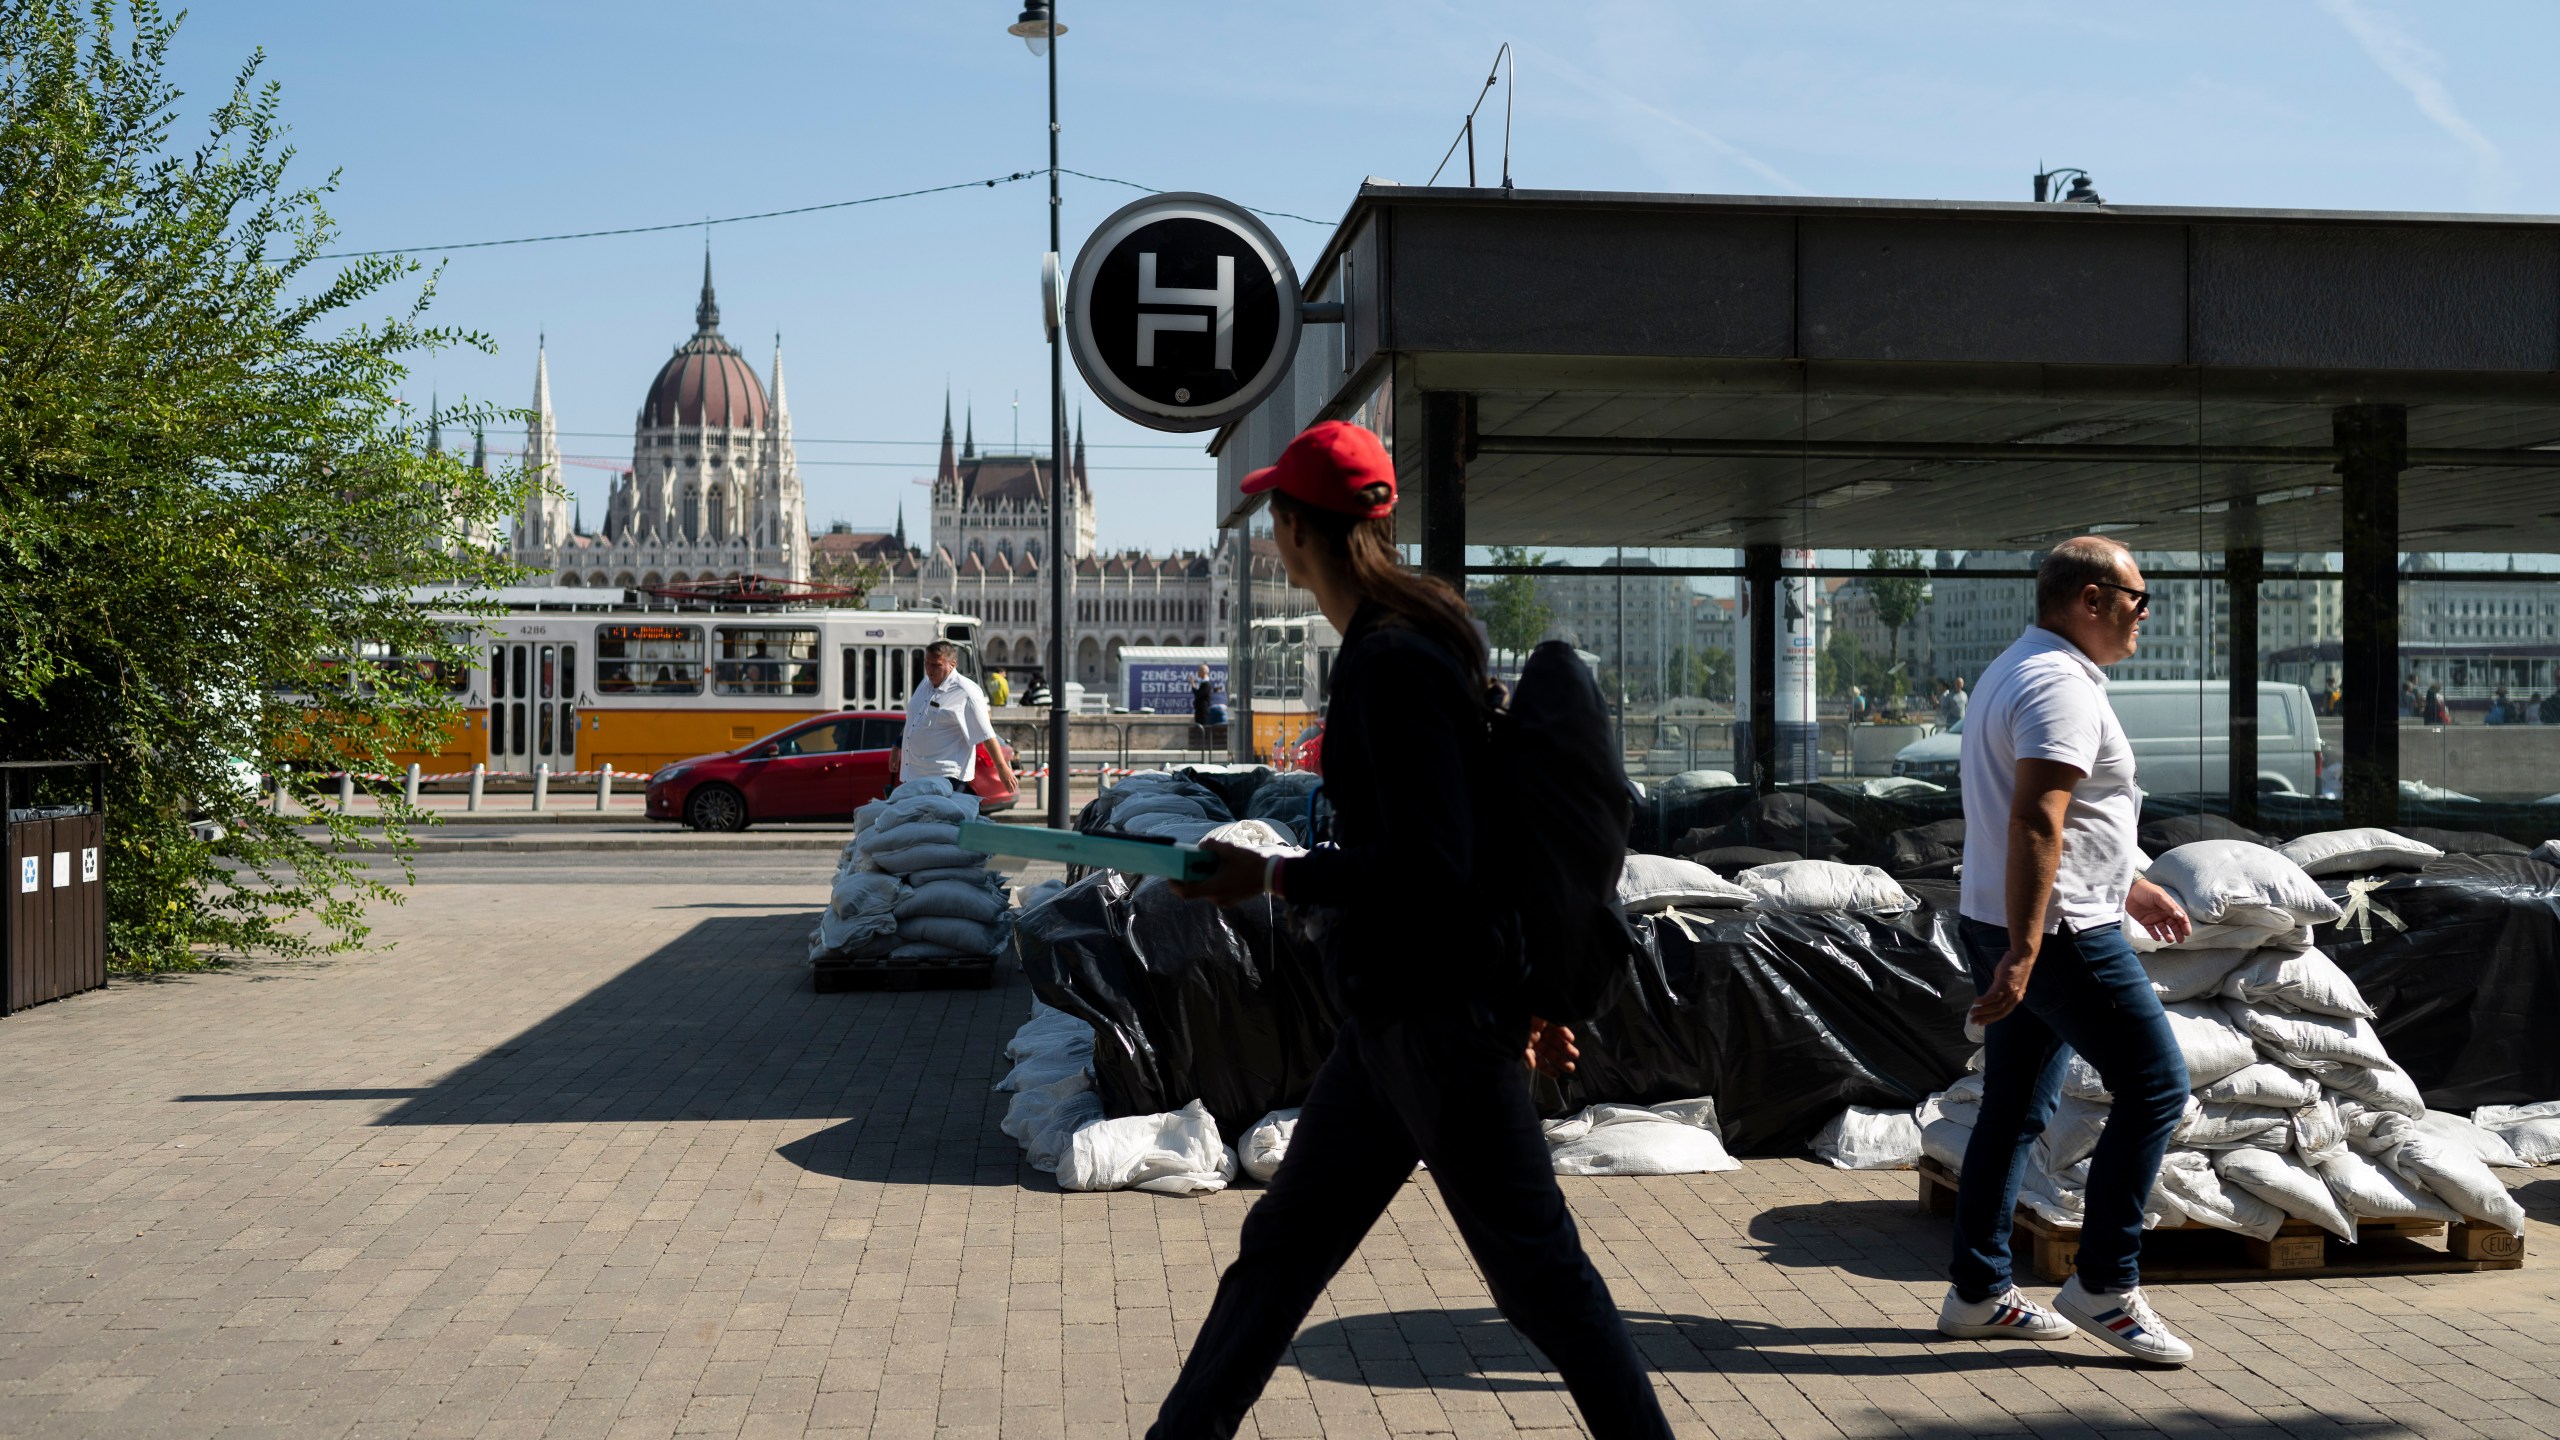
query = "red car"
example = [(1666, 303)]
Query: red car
[(818, 769)]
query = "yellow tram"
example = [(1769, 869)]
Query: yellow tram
[(569, 679)]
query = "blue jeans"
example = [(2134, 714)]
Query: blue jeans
[(2088, 992)]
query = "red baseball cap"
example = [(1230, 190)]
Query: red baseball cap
[(1327, 466)]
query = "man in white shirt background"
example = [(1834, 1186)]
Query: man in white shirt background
[(947, 721), (2050, 809)]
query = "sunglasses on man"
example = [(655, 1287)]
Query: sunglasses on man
[(2141, 598)]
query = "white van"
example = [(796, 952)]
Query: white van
[(2181, 734)]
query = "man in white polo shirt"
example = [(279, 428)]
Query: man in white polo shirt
[(947, 721), (2050, 808)]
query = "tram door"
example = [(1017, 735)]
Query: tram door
[(533, 713), (881, 677)]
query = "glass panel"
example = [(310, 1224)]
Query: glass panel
[(542, 729), (550, 671), (516, 663), (649, 659), (497, 672), (766, 660)]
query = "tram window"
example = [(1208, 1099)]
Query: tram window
[(649, 659), (568, 671), (870, 676), (550, 675), (497, 672), (542, 729), (765, 660), (897, 692), (517, 661)]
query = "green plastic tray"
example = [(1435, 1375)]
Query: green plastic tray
[(1094, 852)]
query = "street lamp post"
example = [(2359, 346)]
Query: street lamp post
[(1039, 29)]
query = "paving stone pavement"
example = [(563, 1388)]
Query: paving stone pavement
[(578, 1153)]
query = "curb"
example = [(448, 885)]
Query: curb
[(625, 844)]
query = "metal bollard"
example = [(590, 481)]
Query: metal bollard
[(479, 774), (346, 791), (275, 798), (409, 786), (541, 784), (604, 786)]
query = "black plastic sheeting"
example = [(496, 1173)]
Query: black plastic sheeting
[(1783, 1018), (2468, 983)]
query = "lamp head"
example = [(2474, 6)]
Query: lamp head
[(1035, 27)]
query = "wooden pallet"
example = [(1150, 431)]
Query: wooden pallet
[(2298, 1251), (837, 976)]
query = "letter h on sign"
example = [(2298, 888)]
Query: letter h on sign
[(1222, 300)]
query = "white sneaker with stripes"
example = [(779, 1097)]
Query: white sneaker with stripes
[(2123, 1319), (2008, 1316)]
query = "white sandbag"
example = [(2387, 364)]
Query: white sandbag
[(2218, 937), (1043, 1117), (1661, 882), (2450, 1172), (2069, 1137), (866, 895), (954, 935), (953, 900), (1944, 1140), (2384, 1087), (2319, 1130), (2372, 1192), (950, 809), (2081, 1080), (2287, 1184), (2262, 1082), (978, 875), (1173, 1154), (2188, 1179), (1962, 1101), (2548, 852), (1675, 1138), (866, 816), (2316, 1043), (2240, 882), (912, 859), (1175, 828), (1690, 781), (2371, 1131), (2206, 1036), (1259, 836), (1266, 1144), (2532, 1131), (2179, 973), (924, 785), (902, 833), (1897, 787), (1862, 1139), (852, 858), (1807, 887), (906, 949), (2223, 1126), (2351, 852), (2298, 980), (2481, 1143), (1048, 1028)]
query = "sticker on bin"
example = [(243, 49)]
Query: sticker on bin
[(88, 864), (27, 874), (61, 868)]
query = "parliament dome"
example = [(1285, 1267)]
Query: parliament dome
[(706, 382)]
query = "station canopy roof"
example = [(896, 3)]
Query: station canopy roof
[(1666, 370)]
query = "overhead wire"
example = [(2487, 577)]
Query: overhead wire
[(987, 184)]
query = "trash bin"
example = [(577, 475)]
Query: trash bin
[(53, 905)]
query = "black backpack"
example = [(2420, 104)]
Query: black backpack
[(1563, 834)]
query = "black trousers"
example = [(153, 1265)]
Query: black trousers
[(1450, 1090)]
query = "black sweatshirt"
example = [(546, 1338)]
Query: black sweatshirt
[(1405, 754)]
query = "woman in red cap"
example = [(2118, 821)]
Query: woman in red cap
[(1428, 1063)]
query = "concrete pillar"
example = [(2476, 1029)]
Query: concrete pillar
[(2373, 448), (1760, 589), (1449, 442), (2243, 566)]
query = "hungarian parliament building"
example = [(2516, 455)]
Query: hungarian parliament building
[(714, 493)]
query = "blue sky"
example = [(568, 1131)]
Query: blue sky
[(472, 121)]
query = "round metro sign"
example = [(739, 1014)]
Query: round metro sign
[(1183, 311)]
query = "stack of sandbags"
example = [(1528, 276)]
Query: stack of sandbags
[(1677, 1137), (1057, 1118), (2297, 1109), (1051, 1083), (861, 918), (952, 906), (1158, 804)]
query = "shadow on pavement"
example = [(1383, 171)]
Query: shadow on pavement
[(721, 1024), (1477, 1347), (1878, 1239)]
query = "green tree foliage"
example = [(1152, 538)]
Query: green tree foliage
[(1897, 598), (213, 506), (1515, 618), (1710, 673)]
